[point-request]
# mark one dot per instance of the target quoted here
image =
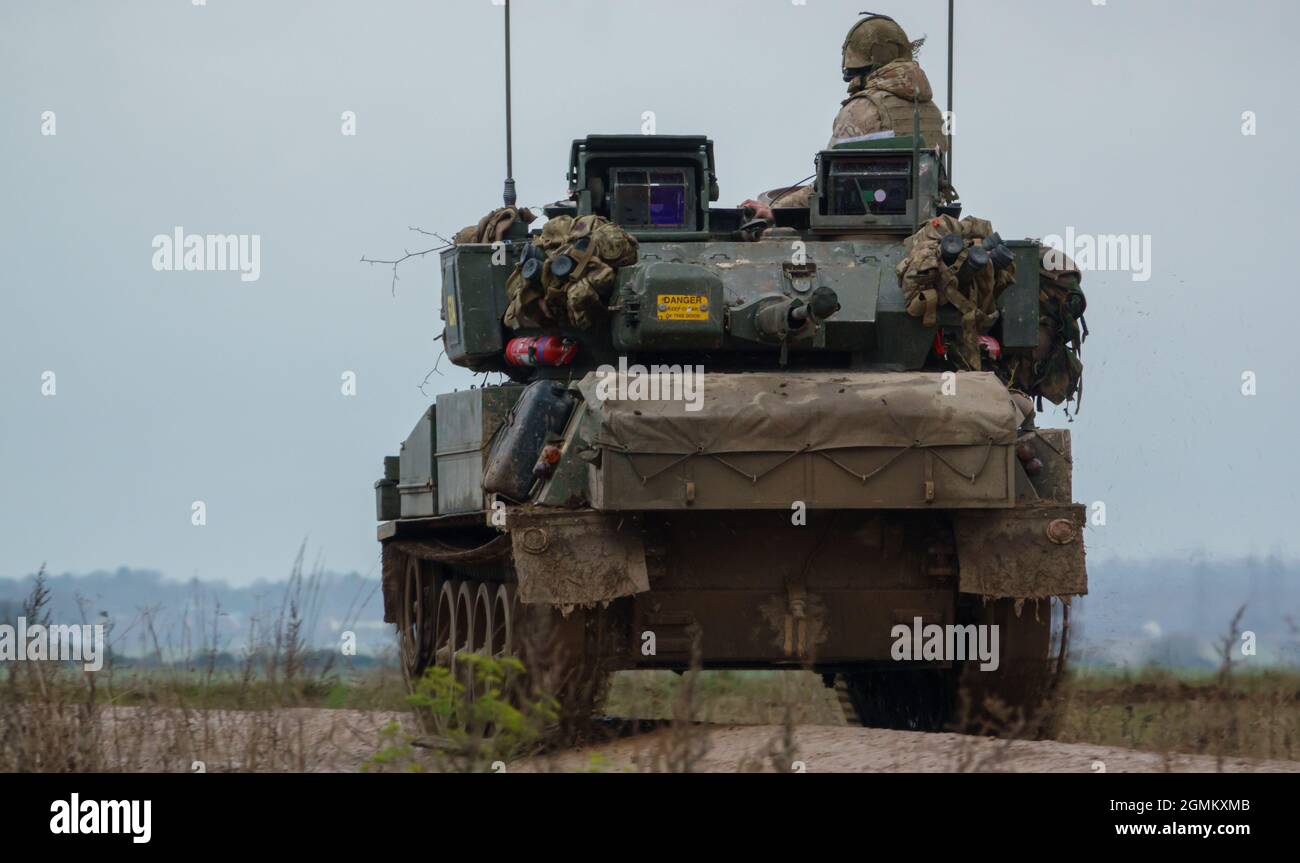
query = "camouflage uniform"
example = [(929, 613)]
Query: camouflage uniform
[(883, 82), (885, 103)]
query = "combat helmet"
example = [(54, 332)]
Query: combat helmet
[(871, 43)]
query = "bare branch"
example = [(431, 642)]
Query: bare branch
[(442, 352), (447, 244), (431, 234)]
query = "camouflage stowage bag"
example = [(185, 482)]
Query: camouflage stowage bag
[(929, 283), (1057, 373), (492, 227), (597, 248), (921, 273)]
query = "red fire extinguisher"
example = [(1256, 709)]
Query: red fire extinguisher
[(541, 351)]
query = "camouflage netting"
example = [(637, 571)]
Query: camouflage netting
[(492, 227), (929, 283), (1056, 372), (597, 248)]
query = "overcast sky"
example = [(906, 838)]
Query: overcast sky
[(172, 387)]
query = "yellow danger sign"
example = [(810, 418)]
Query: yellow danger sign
[(683, 307)]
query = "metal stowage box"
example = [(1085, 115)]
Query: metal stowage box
[(466, 422), (473, 332), (388, 504), (1018, 304), (415, 484)]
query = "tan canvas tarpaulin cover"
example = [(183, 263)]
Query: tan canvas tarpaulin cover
[(807, 412)]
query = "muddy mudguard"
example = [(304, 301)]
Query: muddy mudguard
[(579, 558), (1023, 553)]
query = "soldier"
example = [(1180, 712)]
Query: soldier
[(884, 80)]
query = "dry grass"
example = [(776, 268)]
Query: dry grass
[(166, 715), (1247, 715), (1252, 715), (265, 714)]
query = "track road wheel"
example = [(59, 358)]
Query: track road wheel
[(564, 660), (444, 630), (1017, 699), (464, 617), (484, 620), (503, 614), (415, 620), (475, 610)]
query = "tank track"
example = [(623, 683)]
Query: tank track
[(1029, 693), (842, 695), (445, 615)]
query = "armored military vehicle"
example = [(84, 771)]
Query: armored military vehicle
[(754, 458)]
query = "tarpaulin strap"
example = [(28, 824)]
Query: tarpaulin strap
[(988, 449), (865, 477), (754, 478), (614, 445), (807, 448), (665, 468)]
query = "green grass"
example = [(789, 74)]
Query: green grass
[(372, 689), (1250, 714)]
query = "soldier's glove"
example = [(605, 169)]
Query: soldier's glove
[(754, 210)]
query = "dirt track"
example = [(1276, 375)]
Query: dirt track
[(831, 749), (318, 740)]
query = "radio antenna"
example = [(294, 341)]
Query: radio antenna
[(952, 127), (916, 158), (508, 195)]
